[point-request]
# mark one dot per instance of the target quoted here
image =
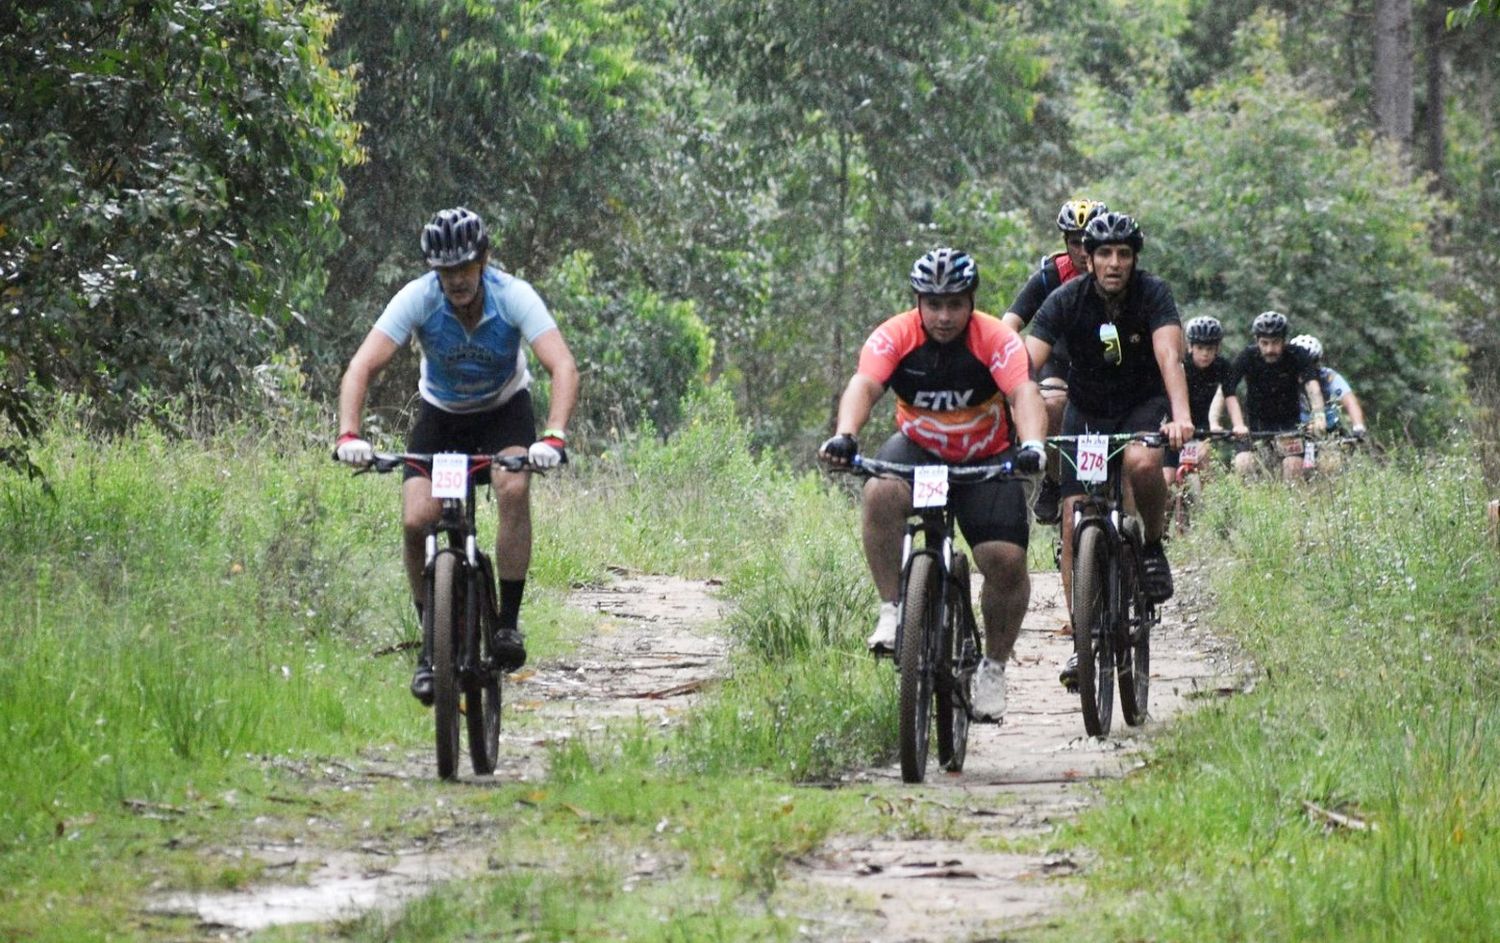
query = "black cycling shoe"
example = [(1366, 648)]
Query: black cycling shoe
[(1069, 676), (421, 683), (1157, 581), (1046, 506), (510, 649)]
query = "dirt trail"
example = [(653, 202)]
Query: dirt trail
[(656, 642), (1020, 779)]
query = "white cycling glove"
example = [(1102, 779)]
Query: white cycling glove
[(549, 451), (353, 450)]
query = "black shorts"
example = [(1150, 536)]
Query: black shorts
[(986, 510), (1146, 416), (512, 423)]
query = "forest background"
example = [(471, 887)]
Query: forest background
[(206, 203)]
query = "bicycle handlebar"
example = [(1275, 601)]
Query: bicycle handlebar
[(878, 468), (384, 462)]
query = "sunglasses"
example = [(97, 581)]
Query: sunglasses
[(1074, 241), (1109, 336)]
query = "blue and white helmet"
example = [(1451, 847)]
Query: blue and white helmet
[(454, 237), (1310, 344), (944, 271)]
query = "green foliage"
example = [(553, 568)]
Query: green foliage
[(639, 354), (1249, 201), (529, 113), (1472, 11), (168, 193), (1370, 604)]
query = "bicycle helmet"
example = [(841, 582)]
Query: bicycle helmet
[(944, 271), (454, 237), (1205, 330), (1109, 228), (1310, 344), (1075, 214), (1269, 324)]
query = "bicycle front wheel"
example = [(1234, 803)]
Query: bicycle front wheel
[(1132, 617), (955, 673), (444, 607), (1091, 631), (919, 622), (481, 681)]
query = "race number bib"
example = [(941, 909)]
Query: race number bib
[(450, 475), (1093, 457), (1192, 452), (929, 486)]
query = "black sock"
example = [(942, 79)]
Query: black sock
[(510, 602)]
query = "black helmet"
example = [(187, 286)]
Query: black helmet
[(944, 272), (1269, 324), (1205, 330), (454, 237), (1111, 227)]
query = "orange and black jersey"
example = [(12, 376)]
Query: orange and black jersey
[(951, 398)]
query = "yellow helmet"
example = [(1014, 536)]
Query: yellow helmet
[(1075, 214)]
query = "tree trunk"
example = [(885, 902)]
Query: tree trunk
[(1393, 71), (836, 365), (1434, 34)]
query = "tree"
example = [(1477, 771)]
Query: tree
[(865, 118), (1250, 201), (168, 193), (1392, 71)]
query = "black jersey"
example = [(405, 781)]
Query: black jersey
[(1044, 281), (1076, 311), (1202, 385), (1273, 391)]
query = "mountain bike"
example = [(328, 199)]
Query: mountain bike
[(938, 643), (1187, 488), (459, 619), (1112, 615)]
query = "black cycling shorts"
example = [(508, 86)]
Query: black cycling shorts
[(1146, 416), (512, 423), (986, 510)]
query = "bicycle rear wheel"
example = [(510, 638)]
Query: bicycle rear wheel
[(955, 675), (482, 679), (446, 617), (1133, 615), (919, 622), (1091, 631)]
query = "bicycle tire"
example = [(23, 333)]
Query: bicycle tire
[(1133, 618), (956, 677), (482, 682), (918, 623), (1091, 634), (445, 626)]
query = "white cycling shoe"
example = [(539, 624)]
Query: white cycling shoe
[(989, 691), (883, 641)]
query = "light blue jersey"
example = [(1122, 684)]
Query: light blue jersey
[(1335, 388), (464, 372)]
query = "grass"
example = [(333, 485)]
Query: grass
[(1370, 604), (190, 633)]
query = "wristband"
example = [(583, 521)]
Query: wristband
[(554, 433), (346, 436)]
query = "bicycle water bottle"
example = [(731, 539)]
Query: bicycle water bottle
[(1309, 455)]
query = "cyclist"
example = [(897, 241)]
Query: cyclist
[(1055, 270), (1275, 376), (1125, 339), (957, 373), (469, 317), (1204, 368), (1336, 391)]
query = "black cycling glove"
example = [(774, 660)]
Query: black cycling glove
[(840, 448), (1028, 460)]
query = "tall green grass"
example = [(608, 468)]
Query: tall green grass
[(1369, 603), (180, 610)]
